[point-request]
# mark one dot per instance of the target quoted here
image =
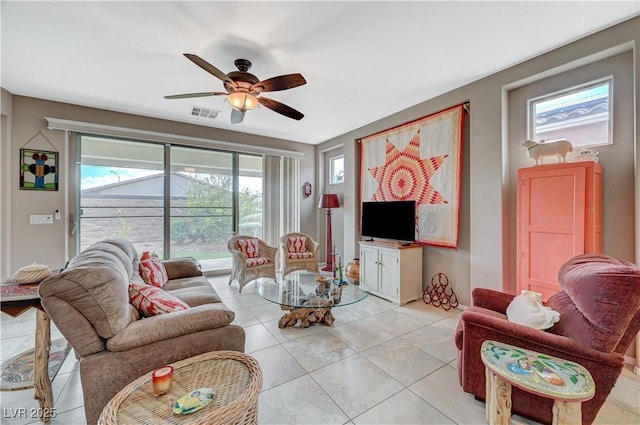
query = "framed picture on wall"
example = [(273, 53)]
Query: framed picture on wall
[(38, 170)]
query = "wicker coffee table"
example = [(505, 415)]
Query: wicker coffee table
[(236, 378)]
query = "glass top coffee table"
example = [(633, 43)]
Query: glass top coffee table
[(309, 297)]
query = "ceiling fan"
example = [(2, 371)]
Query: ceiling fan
[(243, 89)]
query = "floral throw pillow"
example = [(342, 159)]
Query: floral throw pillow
[(249, 247), (153, 272), (146, 255), (150, 300), (297, 244)]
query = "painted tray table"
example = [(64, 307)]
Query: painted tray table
[(566, 382)]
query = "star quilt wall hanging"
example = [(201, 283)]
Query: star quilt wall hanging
[(421, 161)]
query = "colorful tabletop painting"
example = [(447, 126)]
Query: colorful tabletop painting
[(530, 370), (11, 291)]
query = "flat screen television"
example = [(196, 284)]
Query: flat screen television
[(389, 220)]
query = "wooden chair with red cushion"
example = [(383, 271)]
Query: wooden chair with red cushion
[(252, 258)]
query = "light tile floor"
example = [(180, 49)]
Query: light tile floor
[(378, 364)]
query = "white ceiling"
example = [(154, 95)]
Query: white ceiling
[(362, 60)]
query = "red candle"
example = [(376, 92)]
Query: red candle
[(162, 379)]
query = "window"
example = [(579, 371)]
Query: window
[(174, 200), (581, 115), (336, 169)]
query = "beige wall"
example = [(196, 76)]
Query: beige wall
[(617, 160), (46, 243), (484, 258), (6, 106)]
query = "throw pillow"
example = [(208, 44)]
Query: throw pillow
[(147, 254), (527, 309), (150, 300), (153, 272), (297, 244), (249, 247)]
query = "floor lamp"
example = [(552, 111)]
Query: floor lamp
[(328, 201)]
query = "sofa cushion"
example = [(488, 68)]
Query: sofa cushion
[(258, 261), (153, 272), (194, 296), (162, 327), (97, 292), (151, 300), (599, 297), (249, 247), (300, 255), (178, 268), (296, 244), (189, 282)]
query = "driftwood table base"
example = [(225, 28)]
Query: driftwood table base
[(41, 381), (15, 300), (307, 316)]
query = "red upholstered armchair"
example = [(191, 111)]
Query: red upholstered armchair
[(599, 307)]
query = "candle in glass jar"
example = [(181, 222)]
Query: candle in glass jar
[(161, 379)]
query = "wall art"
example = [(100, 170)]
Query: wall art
[(420, 160), (38, 169)]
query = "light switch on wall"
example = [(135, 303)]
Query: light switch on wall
[(40, 219)]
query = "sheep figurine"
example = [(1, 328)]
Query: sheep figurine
[(558, 148)]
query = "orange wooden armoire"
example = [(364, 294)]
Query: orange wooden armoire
[(559, 216)]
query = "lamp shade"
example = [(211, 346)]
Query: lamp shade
[(328, 200), (242, 101)]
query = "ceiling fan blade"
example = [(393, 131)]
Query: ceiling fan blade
[(209, 68), (236, 116), (203, 94), (283, 82), (280, 108)]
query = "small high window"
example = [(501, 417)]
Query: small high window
[(580, 114), (336, 169)]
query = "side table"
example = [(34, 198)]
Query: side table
[(236, 378), (14, 300), (566, 382)]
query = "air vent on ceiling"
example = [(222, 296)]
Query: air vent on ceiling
[(199, 111)]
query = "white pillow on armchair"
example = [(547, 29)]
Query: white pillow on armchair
[(527, 309)]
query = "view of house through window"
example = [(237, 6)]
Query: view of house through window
[(122, 194), (580, 115)]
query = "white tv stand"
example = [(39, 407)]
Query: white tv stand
[(392, 270)]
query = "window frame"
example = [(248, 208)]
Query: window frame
[(567, 91)]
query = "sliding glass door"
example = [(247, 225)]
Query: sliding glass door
[(174, 200), (202, 208), (121, 192)]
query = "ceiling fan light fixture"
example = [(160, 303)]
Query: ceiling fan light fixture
[(242, 101)]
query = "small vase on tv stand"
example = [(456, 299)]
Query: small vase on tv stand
[(353, 271)]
